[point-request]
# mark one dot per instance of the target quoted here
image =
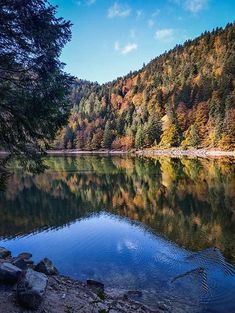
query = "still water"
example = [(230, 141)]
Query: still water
[(163, 226)]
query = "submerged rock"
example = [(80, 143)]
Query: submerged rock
[(96, 286), (31, 288), (134, 293), (4, 253), (47, 267), (9, 273), (24, 256)]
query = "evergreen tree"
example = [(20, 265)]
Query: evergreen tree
[(69, 138), (194, 136), (120, 125), (33, 86), (152, 130), (139, 138), (108, 136)]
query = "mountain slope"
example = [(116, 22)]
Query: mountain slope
[(185, 98)]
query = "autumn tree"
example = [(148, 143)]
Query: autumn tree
[(190, 89)]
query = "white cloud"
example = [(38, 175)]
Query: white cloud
[(126, 49), (156, 13), (139, 13), (118, 10), (165, 34), (193, 6), (129, 48), (116, 46), (85, 2), (151, 23), (130, 245), (90, 2)]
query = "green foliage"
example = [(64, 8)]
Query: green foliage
[(108, 136), (33, 86), (139, 138), (170, 137), (68, 138), (192, 137), (152, 131)]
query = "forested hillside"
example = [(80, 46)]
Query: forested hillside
[(185, 97)]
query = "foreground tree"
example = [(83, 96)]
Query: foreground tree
[(33, 86)]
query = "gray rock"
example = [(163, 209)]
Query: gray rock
[(22, 263), (24, 256), (134, 293), (47, 267), (4, 253), (96, 286), (23, 260), (31, 288), (9, 273)]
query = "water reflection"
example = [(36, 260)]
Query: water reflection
[(125, 255), (190, 201), (100, 217)]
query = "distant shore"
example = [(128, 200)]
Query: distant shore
[(171, 152)]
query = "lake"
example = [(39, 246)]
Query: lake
[(161, 225)]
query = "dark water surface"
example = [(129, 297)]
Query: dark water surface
[(164, 226)]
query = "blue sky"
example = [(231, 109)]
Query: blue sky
[(110, 38)]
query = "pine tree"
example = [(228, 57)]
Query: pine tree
[(108, 136), (152, 130), (194, 136), (139, 138), (69, 138), (33, 85)]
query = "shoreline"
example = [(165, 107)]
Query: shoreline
[(148, 152), (40, 288), (171, 152)]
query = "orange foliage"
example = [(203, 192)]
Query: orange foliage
[(123, 143)]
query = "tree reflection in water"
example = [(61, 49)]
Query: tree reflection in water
[(190, 201)]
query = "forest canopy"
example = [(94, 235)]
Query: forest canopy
[(183, 98)]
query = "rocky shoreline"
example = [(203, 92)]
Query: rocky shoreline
[(171, 152), (177, 152), (28, 287)]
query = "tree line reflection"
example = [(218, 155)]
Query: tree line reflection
[(190, 201)]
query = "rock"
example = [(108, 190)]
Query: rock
[(96, 286), (4, 253), (24, 256), (22, 263), (23, 260), (162, 306), (47, 267), (134, 293), (31, 288), (9, 273)]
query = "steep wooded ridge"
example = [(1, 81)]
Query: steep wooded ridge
[(183, 98)]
